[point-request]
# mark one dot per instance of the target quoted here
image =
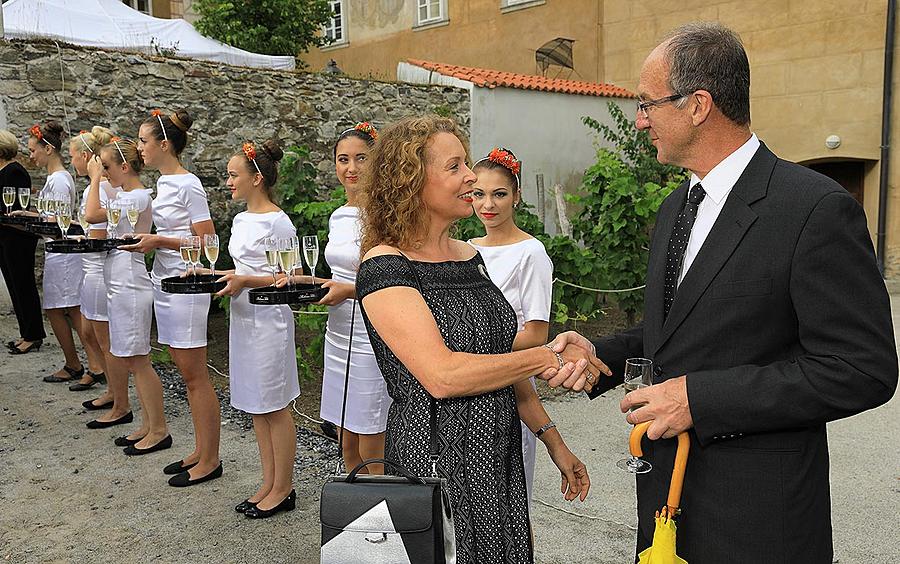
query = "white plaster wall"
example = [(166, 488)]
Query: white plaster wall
[(545, 131)]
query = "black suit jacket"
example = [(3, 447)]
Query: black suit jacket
[(782, 323)]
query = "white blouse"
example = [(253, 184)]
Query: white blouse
[(524, 273), (107, 193), (180, 201), (143, 200), (59, 186), (342, 256)]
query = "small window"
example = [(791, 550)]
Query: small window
[(335, 29), (430, 11), (139, 5), (515, 5)]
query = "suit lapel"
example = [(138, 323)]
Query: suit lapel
[(727, 232)]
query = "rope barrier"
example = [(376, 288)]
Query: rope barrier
[(584, 516), (598, 290)]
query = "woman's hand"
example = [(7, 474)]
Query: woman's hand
[(95, 168), (146, 242), (575, 480), (234, 283), (337, 292)]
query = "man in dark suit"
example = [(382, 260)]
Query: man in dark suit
[(765, 317)]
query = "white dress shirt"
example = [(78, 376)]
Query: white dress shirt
[(717, 184)]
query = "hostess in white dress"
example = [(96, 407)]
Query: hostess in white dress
[(367, 397), (63, 273), (93, 289), (129, 289), (524, 273), (261, 355), (180, 318)]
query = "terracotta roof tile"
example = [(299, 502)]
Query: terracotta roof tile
[(489, 78)]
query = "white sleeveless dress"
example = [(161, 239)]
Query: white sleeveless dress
[(180, 318), (367, 397), (63, 273), (261, 355), (93, 289), (129, 289), (524, 273)]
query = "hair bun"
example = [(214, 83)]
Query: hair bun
[(53, 127), (273, 149), (185, 118)]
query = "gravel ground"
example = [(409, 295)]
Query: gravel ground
[(69, 495)]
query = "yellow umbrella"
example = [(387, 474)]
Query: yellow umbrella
[(662, 550)]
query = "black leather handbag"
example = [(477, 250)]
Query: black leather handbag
[(401, 519)]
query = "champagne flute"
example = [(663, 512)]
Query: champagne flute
[(286, 257), (211, 248), (271, 245), (82, 219), (311, 254), (24, 197), (638, 374), (113, 215), (132, 213), (39, 205), (9, 197), (185, 248), (63, 218), (195, 252)]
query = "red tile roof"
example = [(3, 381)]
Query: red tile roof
[(488, 78)]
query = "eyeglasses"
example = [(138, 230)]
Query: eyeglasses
[(643, 106)]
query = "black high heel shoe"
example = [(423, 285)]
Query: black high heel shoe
[(287, 504), (99, 378), (243, 506), (95, 424), (73, 374), (161, 445), (35, 346)]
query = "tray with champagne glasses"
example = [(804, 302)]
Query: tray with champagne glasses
[(192, 284), (84, 245), (296, 294), (22, 220), (51, 229)]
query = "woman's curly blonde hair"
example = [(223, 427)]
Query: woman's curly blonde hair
[(392, 210)]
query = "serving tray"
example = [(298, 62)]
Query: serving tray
[(297, 294), (69, 246), (192, 284), (50, 229)]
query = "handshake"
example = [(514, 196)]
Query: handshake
[(581, 369)]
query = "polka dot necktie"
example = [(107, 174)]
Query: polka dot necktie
[(678, 244)]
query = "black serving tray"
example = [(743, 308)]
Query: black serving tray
[(18, 219), (298, 294), (50, 229), (192, 284), (69, 246)]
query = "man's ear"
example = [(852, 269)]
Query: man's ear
[(701, 105)]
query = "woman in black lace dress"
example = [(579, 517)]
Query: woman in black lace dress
[(442, 333)]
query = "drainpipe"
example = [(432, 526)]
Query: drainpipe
[(886, 131)]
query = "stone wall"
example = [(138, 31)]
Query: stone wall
[(229, 104)]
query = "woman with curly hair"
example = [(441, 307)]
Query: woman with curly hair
[(442, 333)]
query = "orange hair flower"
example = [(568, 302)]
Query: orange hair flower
[(367, 128), (505, 159), (250, 152), (36, 132)]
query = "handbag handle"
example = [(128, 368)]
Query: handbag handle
[(346, 386), (351, 477)]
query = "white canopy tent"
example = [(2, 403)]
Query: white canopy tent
[(110, 24)]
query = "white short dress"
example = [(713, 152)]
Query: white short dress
[(261, 352), (129, 291), (524, 273), (367, 397), (180, 318), (93, 288), (63, 273)]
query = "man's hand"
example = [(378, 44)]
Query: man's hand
[(665, 404), (574, 347)]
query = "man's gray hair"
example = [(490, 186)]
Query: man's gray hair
[(709, 56)]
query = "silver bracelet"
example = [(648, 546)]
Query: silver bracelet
[(546, 427), (559, 357)]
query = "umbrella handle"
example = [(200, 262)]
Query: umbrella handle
[(634, 440), (681, 456)]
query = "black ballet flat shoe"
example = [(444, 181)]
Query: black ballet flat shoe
[(89, 405), (95, 379), (73, 374), (243, 506), (35, 346), (184, 480), (124, 441), (287, 504), (95, 424), (177, 468), (161, 445)]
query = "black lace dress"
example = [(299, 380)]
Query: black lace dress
[(479, 436)]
